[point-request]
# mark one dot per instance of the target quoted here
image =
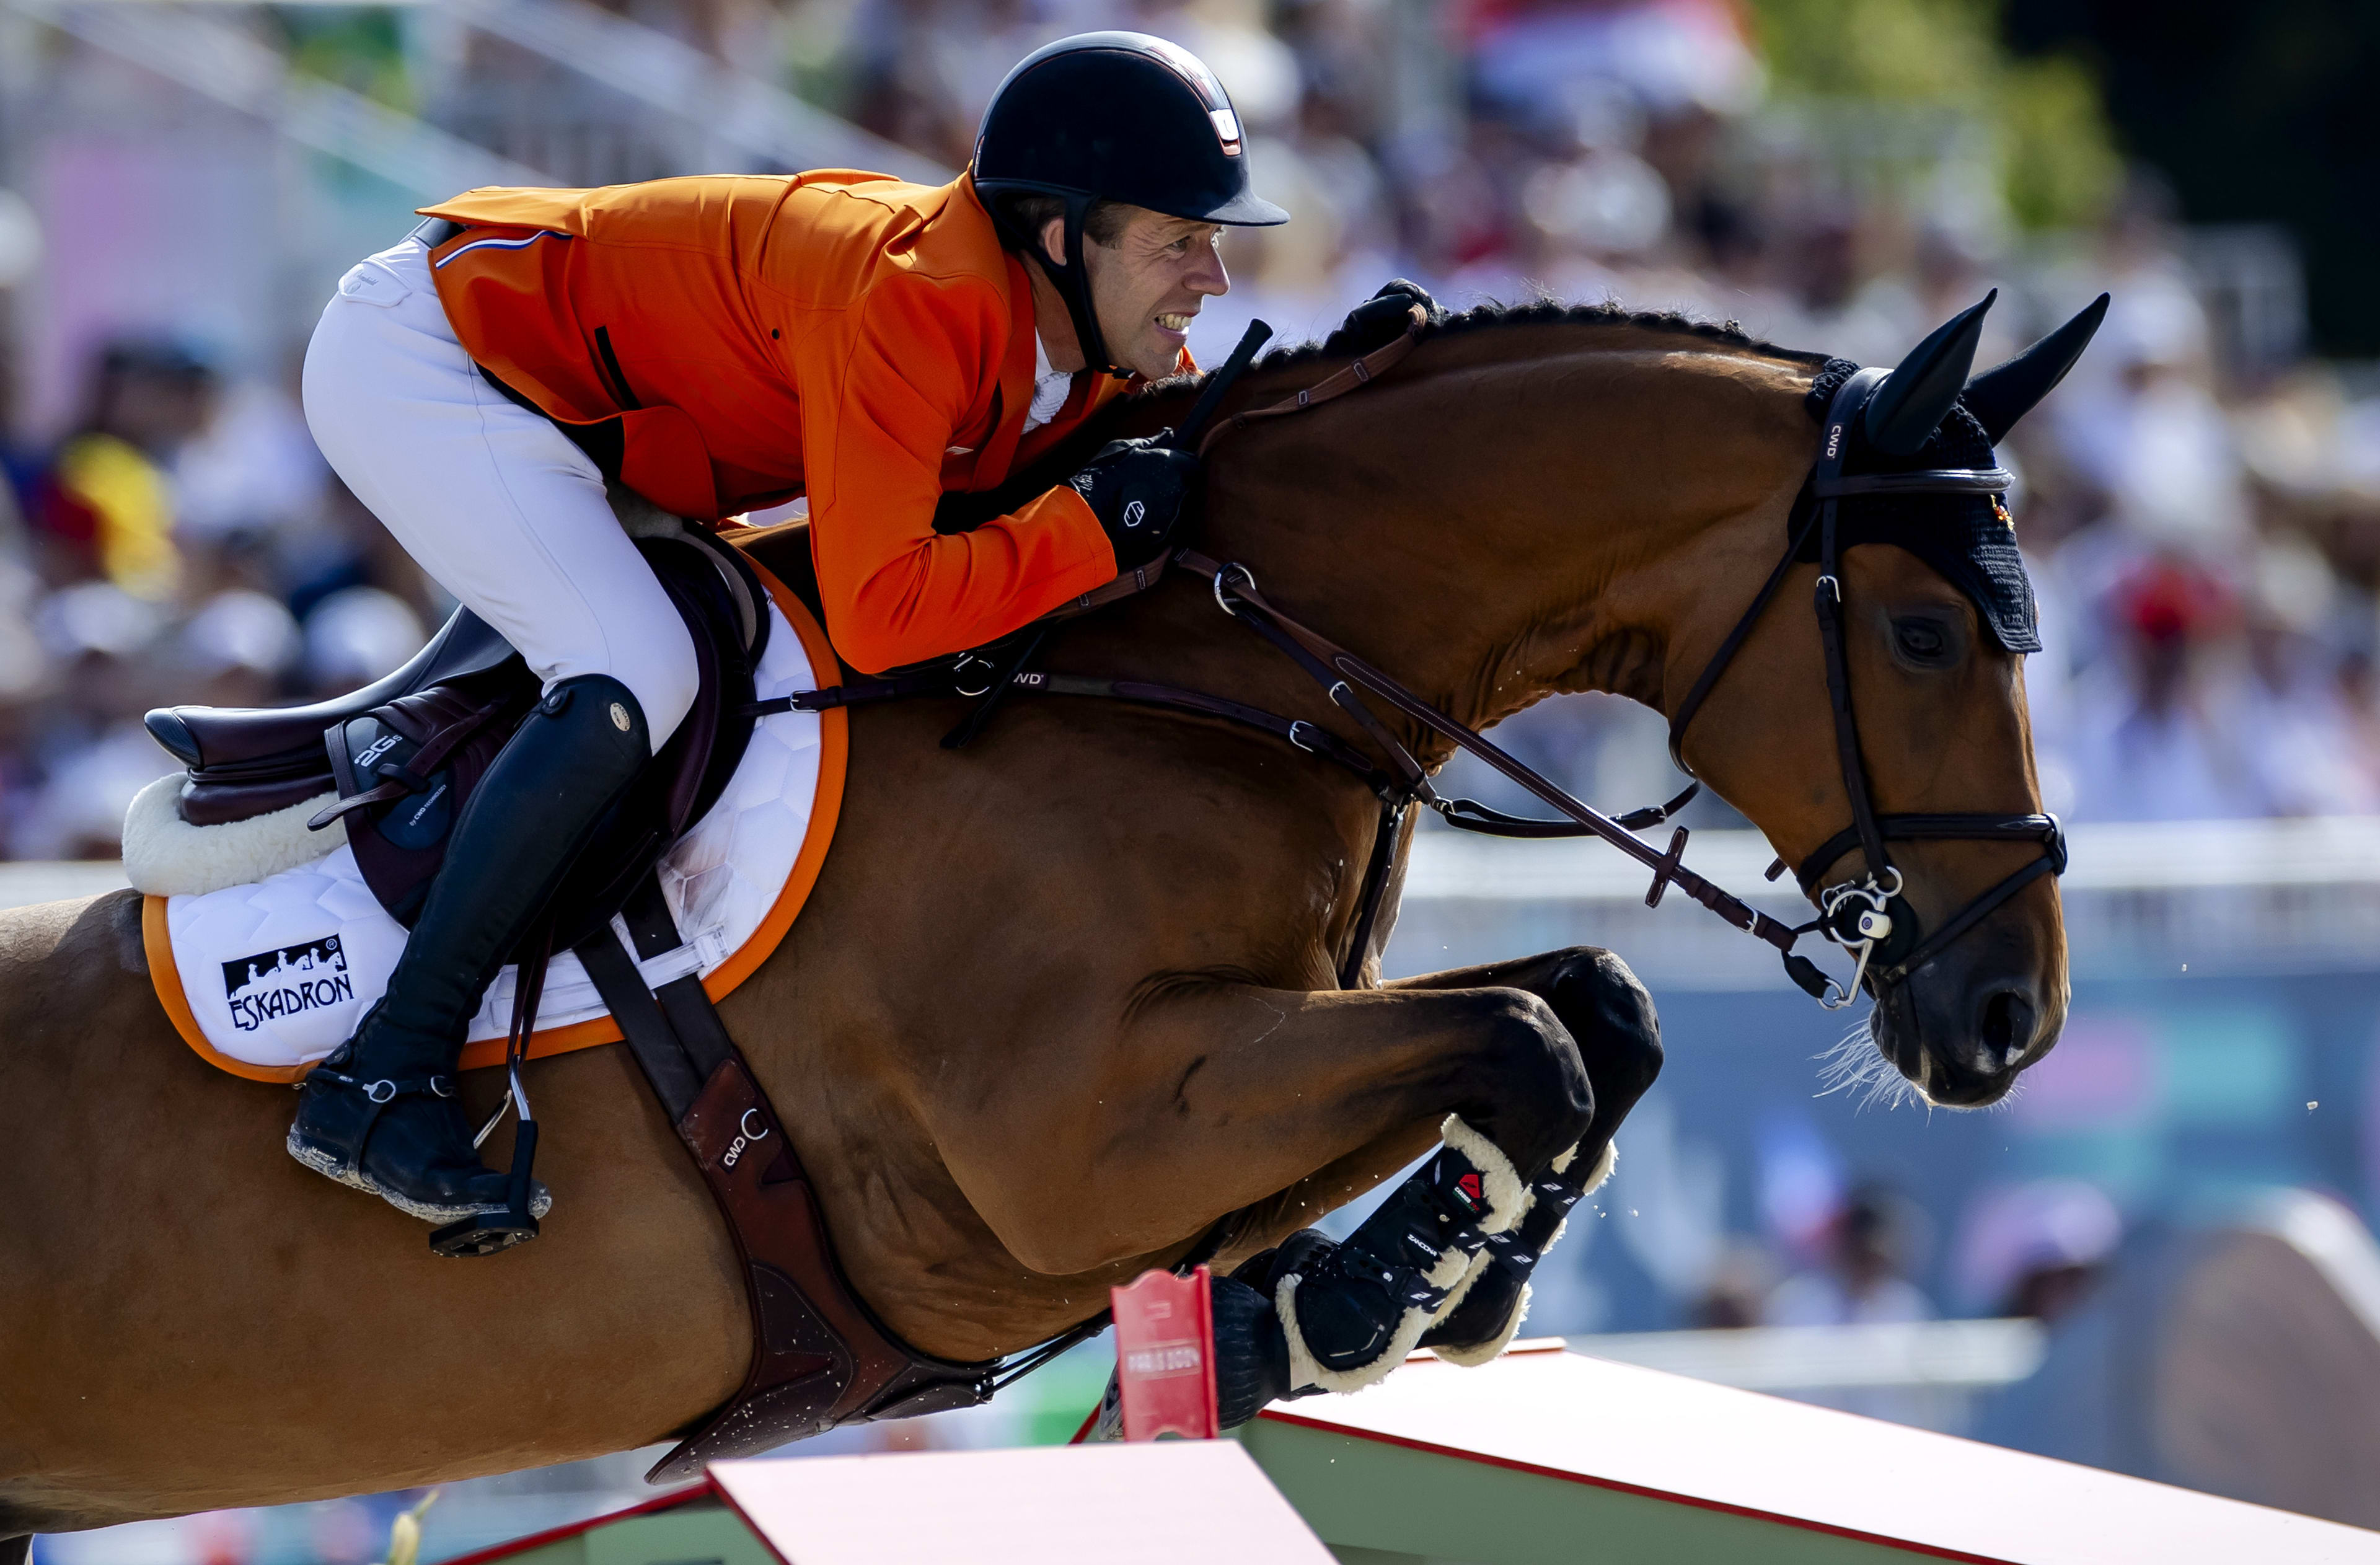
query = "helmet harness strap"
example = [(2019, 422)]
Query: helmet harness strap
[(1072, 281)]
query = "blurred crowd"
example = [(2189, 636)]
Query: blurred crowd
[(182, 543), (2201, 510), (2200, 505)]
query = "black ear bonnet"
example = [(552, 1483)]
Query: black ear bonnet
[(1970, 540)]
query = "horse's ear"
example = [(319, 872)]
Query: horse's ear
[(1999, 396), (1904, 412)]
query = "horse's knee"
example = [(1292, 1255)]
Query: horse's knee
[(1610, 1013), (1534, 1098)]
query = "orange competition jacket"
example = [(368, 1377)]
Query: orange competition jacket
[(846, 335)]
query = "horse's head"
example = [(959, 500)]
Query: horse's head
[(1550, 498), (1920, 705)]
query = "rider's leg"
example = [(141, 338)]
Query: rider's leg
[(511, 517), (380, 1113), (488, 497)]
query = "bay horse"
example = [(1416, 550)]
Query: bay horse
[(1060, 1002)]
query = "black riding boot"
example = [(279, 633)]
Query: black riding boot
[(380, 1113)]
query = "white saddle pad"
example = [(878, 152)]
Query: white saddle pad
[(276, 974)]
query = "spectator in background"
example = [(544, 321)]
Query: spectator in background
[(1864, 1280), (234, 652), (355, 636), (2153, 738), (2037, 1249), (250, 490), (89, 754), (104, 507), (1738, 1291), (2299, 741)]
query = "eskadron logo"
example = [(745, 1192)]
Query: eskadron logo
[(273, 984)]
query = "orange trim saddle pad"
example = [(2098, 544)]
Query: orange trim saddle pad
[(263, 980)]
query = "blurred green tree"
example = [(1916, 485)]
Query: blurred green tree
[(2056, 152), (2268, 112), (360, 48)]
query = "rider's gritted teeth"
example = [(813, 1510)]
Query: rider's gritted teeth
[(1174, 321)]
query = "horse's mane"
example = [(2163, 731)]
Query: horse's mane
[(1549, 312), (959, 511)]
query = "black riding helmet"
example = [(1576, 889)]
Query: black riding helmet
[(1117, 117)]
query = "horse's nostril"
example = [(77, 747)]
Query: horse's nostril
[(2003, 1032)]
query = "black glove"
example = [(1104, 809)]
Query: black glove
[(1381, 319), (1135, 488)]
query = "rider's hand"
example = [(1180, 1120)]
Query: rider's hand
[(1136, 487), (1383, 318)]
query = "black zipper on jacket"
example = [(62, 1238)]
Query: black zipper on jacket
[(612, 362)]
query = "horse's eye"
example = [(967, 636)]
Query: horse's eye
[(1921, 640)]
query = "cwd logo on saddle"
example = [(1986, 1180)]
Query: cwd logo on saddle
[(273, 984)]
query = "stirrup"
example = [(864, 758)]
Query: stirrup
[(485, 1233)]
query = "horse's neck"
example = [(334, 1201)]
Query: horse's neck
[(1515, 520)]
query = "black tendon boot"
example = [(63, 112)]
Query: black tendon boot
[(1352, 1312), (1488, 1306), (380, 1114)]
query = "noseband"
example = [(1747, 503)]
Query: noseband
[(1869, 918)]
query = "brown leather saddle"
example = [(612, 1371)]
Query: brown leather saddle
[(402, 753), (405, 753)]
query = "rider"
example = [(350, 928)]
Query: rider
[(720, 344)]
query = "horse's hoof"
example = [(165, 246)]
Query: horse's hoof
[(482, 1236), (1251, 1353)]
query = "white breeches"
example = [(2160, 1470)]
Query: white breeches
[(490, 498)]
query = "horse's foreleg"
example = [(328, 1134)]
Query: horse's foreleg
[(1611, 1016), (1605, 1010), (1348, 1313), (1219, 1095), (1215, 1096), (1607, 1014)]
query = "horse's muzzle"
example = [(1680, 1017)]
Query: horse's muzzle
[(1962, 1031)]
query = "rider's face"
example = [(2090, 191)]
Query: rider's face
[(1148, 284)]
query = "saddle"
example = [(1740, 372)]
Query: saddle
[(403, 755)]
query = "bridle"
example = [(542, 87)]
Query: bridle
[(1867, 917)]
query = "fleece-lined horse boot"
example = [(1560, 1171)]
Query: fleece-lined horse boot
[(380, 1114), (1352, 1312), (1488, 1306)]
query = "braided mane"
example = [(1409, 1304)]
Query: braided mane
[(1550, 312), (959, 511)]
